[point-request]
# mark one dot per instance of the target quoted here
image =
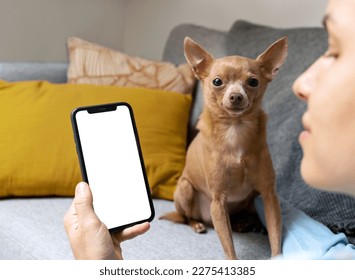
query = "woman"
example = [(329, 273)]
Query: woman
[(328, 143), (328, 139)]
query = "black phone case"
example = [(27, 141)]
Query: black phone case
[(104, 108)]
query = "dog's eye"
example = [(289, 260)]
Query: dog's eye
[(217, 82), (253, 82)]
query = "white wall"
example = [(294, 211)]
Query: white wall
[(148, 22), (36, 30)]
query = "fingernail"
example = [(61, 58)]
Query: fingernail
[(81, 188)]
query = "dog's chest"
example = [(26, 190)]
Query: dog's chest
[(234, 147), (236, 159)]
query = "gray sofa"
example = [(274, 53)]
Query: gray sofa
[(32, 228)]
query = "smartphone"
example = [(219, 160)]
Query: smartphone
[(112, 164)]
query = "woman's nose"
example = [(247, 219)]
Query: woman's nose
[(306, 83), (301, 88)]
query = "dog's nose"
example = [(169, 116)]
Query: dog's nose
[(236, 98)]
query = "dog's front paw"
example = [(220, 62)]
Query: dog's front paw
[(198, 227)]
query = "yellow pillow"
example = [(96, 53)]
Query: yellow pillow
[(38, 156), (90, 63)]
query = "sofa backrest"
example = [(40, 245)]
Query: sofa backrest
[(55, 72)]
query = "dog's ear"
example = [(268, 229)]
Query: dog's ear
[(272, 59), (198, 58)]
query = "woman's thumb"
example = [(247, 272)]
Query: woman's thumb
[(83, 199)]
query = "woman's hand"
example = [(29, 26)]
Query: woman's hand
[(88, 236)]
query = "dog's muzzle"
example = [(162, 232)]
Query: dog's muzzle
[(236, 101)]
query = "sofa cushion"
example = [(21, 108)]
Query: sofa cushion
[(90, 63), (284, 125), (38, 155), (25, 235), (32, 229)]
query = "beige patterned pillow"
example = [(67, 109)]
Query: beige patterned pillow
[(90, 63)]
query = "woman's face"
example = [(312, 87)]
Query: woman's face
[(328, 87)]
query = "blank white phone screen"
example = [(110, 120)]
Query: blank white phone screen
[(113, 166)]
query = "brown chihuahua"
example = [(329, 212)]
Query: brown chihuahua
[(228, 163)]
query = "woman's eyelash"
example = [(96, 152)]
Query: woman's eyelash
[(330, 54)]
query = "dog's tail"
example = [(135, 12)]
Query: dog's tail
[(174, 217)]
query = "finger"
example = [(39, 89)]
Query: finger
[(69, 217), (132, 232), (71, 210), (83, 200)]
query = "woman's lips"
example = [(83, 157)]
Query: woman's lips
[(303, 136), (306, 132)]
